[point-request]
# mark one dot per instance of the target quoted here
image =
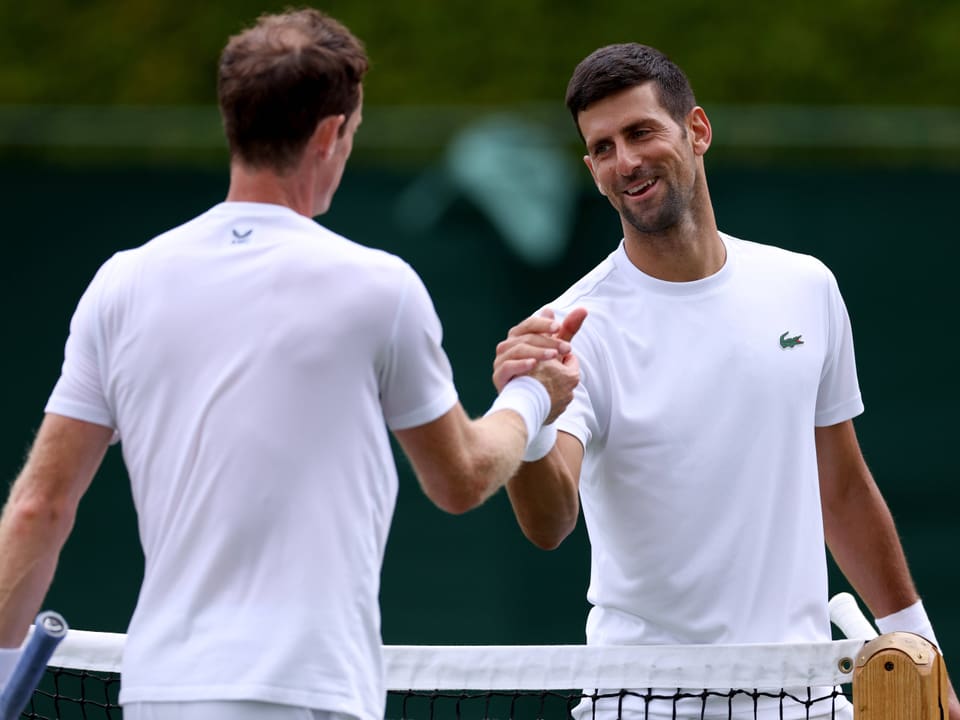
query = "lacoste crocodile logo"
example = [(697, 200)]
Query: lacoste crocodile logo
[(789, 342)]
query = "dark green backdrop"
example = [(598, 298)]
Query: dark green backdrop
[(888, 233)]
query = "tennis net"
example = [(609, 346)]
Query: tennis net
[(811, 680)]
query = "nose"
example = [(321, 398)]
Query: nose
[(628, 160)]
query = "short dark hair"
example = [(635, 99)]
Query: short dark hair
[(280, 77), (615, 68)]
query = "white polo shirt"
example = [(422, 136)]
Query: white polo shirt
[(250, 360)]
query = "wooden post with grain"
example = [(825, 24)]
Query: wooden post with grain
[(899, 676)]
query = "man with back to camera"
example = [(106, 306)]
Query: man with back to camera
[(248, 360), (710, 440)]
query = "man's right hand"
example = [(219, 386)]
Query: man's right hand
[(537, 339), (560, 377)]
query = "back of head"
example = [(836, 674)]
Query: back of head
[(279, 78), (615, 68)]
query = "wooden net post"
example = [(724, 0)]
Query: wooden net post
[(899, 676)]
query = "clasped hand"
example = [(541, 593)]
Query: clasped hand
[(539, 346)]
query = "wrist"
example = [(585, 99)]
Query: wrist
[(527, 397), (541, 444), (911, 619)]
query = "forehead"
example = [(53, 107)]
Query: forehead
[(637, 104)]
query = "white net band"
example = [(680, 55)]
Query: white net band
[(549, 667)]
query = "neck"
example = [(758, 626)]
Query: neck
[(293, 190), (677, 257), (689, 250)]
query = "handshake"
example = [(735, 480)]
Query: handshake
[(536, 372)]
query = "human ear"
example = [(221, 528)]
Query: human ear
[(324, 138), (698, 127), (589, 163)]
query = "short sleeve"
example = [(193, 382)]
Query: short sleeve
[(79, 393), (838, 397), (416, 380), (581, 417)]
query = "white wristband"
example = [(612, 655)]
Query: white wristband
[(527, 397), (911, 619), (8, 661), (542, 443)]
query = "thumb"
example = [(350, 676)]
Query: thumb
[(571, 323)]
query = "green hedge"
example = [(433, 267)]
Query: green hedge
[(499, 51)]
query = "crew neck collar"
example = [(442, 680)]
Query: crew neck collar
[(692, 287)]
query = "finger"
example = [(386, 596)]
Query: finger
[(510, 369), (525, 362), (571, 323), (536, 324), (535, 346), (571, 363)]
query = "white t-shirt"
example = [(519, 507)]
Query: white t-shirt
[(250, 360), (696, 409)]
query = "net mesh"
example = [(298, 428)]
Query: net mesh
[(534, 682), (66, 694)]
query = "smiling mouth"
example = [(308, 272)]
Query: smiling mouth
[(641, 189)]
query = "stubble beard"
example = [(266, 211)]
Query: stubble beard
[(659, 220)]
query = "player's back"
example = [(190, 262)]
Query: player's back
[(243, 355), (232, 341)]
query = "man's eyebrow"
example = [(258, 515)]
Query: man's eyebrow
[(625, 130)]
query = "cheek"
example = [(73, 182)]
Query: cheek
[(605, 174), (603, 183)]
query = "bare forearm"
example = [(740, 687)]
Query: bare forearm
[(867, 549), (496, 444), (32, 533), (462, 462), (39, 515), (545, 500), (857, 523), (863, 539)]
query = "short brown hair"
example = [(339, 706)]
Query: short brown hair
[(615, 68), (280, 77)]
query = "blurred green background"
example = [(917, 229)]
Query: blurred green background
[(837, 132)]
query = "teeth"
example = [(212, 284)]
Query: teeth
[(641, 188)]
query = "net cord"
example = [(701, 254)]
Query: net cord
[(555, 667)]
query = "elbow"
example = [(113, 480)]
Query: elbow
[(546, 514), (546, 542), (457, 503), (456, 497), (461, 487), (549, 536), (39, 516)]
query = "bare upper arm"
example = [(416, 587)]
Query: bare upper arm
[(433, 446), (848, 493), (571, 450), (65, 456), (545, 494), (839, 461)]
